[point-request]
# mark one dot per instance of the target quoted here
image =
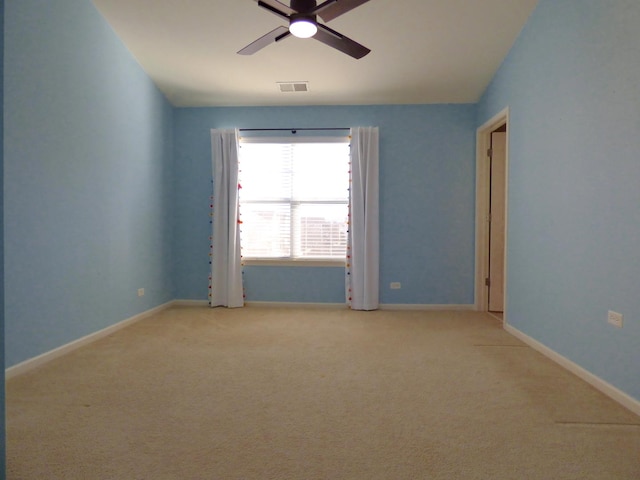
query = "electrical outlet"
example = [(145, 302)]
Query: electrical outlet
[(395, 285), (615, 319), (141, 292)]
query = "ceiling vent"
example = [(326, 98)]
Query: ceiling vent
[(292, 87)]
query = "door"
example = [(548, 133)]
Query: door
[(497, 219)]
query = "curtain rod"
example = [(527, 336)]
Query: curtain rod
[(292, 130)]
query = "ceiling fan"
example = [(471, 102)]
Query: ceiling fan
[(302, 19)]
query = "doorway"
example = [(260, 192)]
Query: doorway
[(491, 215)]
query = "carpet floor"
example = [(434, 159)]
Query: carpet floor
[(274, 393)]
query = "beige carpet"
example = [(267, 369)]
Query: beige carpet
[(256, 393)]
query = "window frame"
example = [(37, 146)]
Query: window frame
[(296, 261)]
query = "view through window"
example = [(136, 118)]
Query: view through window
[(294, 199)]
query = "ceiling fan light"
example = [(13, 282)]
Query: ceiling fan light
[(303, 27)]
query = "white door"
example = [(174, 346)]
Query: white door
[(497, 221)]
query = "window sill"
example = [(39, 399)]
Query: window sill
[(288, 262)]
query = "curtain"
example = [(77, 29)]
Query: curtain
[(225, 281), (362, 271)]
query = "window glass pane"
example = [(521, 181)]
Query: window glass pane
[(265, 171), (320, 231), (294, 200), (320, 171), (265, 231)]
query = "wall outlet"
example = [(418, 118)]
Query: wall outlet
[(615, 319), (395, 285), (141, 292)]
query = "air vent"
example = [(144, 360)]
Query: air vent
[(293, 87)]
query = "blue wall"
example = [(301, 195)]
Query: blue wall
[(88, 172), (427, 177), (572, 83)]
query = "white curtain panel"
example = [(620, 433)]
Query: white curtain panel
[(225, 282), (363, 239)]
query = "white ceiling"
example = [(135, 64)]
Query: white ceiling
[(422, 51)]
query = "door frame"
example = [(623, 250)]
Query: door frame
[(483, 179)]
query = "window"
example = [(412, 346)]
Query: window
[(294, 199)]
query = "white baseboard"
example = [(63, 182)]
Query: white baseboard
[(427, 306), (296, 305), (609, 390), (204, 303), (46, 357), (384, 306)]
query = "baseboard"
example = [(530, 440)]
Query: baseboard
[(427, 306), (296, 305), (204, 303), (46, 357), (609, 390), (387, 306)]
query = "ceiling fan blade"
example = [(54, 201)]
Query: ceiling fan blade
[(334, 8), (340, 42), (279, 8), (271, 37)]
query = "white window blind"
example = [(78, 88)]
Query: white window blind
[(294, 199)]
